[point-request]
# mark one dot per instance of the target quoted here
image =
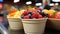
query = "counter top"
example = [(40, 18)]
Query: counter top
[(47, 31)]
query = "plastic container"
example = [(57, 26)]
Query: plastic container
[(34, 26), (54, 23), (15, 23)]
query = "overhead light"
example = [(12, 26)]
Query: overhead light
[(56, 4), (15, 1), (52, 4), (1, 0), (29, 2), (56, 0), (38, 4)]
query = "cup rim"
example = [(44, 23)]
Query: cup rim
[(36, 19), (53, 19)]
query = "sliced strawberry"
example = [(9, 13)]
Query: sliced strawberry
[(25, 13), (26, 17), (35, 15), (50, 16), (57, 16), (40, 16)]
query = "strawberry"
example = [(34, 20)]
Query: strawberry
[(57, 16), (25, 13), (50, 16), (40, 16), (26, 17), (35, 15)]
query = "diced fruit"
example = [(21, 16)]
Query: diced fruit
[(49, 16), (57, 15), (40, 16), (46, 15), (26, 17), (12, 11), (45, 11), (30, 12), (51, 11), (32, 9), (29, 15), (42, 13), (25, 13), (35, 15), (38, 11)]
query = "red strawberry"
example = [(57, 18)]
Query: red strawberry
[(50, 16), (40, 16), (26, 17), (25, 13), (57, 16), (35, 15)]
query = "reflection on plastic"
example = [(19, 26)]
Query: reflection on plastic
[(3, 30)]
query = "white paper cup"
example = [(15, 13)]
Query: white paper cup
[(15, 23), (34, 26), (55, 23)]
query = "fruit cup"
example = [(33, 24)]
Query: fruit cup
[(34, 26), (15, 23), (54, 23)]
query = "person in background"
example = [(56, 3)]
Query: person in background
[(46, 4)]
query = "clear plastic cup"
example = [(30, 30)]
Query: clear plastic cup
[(34, 26), (55, 23), (15, 23)]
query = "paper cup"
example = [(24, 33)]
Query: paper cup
[(34, 26), (55, 23), (15, 23)]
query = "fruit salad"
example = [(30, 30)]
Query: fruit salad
[(57, 15), (15, 13), (38, 13), (32, 13)]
